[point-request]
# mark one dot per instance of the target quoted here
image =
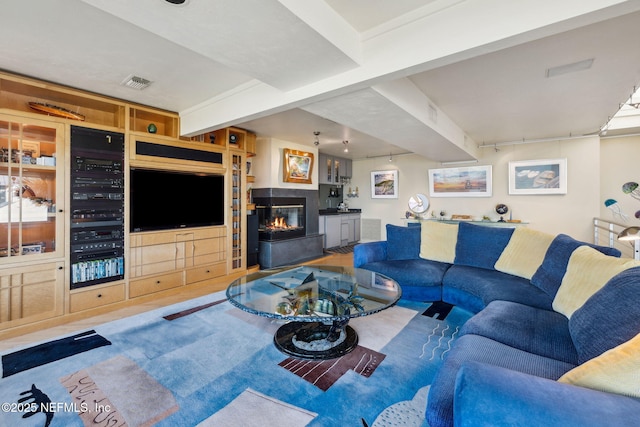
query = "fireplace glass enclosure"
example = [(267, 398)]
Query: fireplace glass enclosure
[(280, 218)]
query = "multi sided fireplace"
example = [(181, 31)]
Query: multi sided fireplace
[(280, 218)]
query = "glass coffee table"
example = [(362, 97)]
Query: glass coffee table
[(316, 302)]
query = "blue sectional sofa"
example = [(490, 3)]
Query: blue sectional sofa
[(556, 335)]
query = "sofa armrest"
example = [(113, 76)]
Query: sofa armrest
[(488, 395), (365, 253)]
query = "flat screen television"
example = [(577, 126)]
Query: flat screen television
[(165, 200)]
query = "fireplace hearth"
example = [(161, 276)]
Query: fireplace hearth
[(287, 226)]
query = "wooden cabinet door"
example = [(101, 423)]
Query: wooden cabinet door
[(31, 293)]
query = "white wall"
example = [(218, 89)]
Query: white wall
[(571, 213), (619, 164), (267, 165)]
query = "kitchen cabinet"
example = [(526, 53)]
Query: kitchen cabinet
[(333, 169), (350, 228), (332, 234), (340, 230)]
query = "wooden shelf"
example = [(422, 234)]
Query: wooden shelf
[(154, 122), (17, 92)]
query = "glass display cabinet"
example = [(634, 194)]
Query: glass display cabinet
[(30, 190)]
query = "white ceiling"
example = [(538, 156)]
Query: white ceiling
[(434, 77)]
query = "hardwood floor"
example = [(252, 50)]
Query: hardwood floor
[(145, 305)]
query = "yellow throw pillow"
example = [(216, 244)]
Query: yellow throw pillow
[(524, 253), (438, 241), (614, 371), (588, 271)]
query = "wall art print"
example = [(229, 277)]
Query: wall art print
[(535, 177), (474, 181), (384, 184), (297, 166)]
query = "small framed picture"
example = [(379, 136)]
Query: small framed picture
[(538, 177), (384, 184)]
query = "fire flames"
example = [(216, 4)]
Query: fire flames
[(279, 222)]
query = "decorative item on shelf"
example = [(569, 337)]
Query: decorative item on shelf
[(418, 204), (353, 193), (459, 217), (152, 128), (443, 213), (54, 110), (233, 138), (501, 209)]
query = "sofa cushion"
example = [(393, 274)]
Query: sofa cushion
[(438, 241), (587, 271), (524, 252), (549, 276), (474, 288), (480, 246), (538, 331), (420, 279), (476, 348), (403, 242), (488, 396), (615, 371), (609, 318)]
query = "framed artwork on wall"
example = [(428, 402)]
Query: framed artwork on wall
[(384, 184), (535, 177), (474, 181), (297, 166)]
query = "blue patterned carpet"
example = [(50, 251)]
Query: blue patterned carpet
[(204, 362)]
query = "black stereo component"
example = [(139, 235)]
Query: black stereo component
[(81, 163), (167, 151), (97, 207)]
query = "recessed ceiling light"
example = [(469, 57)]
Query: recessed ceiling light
[(176, 1), (570, 68)]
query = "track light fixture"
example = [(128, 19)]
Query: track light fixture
[(346, 146), (316, 141)]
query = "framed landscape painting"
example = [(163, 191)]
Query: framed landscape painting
[(297, 166), (538, 177), (384, 184), (474, 181)]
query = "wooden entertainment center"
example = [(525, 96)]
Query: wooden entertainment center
[(39, 199)]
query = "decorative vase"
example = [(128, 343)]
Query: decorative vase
[(152, 128)]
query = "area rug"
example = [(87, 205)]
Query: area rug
[(204, 362), (340, 250)]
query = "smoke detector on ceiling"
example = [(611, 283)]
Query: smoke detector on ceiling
[(136, 82)]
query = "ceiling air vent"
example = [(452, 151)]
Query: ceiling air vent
[(136, 82)]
